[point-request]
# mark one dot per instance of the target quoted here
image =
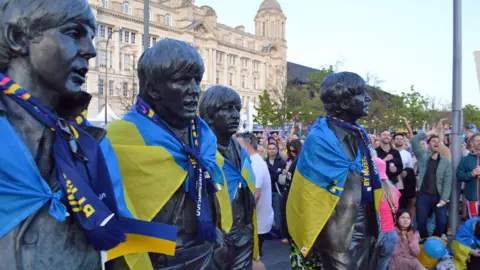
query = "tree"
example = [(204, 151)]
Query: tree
[(265, 111), (471, 115), (126, 92)]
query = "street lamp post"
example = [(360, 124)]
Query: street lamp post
[(146, 24), (105, 92), (456, 111)]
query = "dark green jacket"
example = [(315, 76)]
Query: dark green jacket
[(464, 174), (444, 169)]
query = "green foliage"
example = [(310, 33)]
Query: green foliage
[(471, 115), (266, 115)]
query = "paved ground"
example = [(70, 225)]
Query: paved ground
[(275, 255)]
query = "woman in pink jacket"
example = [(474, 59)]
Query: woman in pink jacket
[(405, 255)]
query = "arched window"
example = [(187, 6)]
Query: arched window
[(230, 37), (126, 8), (105, 3), (168, 20)]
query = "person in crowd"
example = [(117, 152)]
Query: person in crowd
[(263, 191), (408, 247), (388, 208), (466, 246), (261, 151), (407, 181), (434, 182), (276, 165), (468, 172), (391, 156), (282, 149), (293, 149)]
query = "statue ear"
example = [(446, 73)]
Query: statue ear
[(152, 93), (16, 39)]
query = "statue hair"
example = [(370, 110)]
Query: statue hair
[(165, 60), (32, 17), (338, 89), (216, 97)]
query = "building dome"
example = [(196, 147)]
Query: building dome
[(270, 4)]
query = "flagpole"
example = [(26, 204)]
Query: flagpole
[(456, 112)]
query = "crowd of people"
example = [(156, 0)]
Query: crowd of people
[(416, 173)]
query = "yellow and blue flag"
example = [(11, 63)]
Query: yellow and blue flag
[(246, 178), (146, 155), (464, 242), (321, 173)]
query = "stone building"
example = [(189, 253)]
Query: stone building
[(247, 62)]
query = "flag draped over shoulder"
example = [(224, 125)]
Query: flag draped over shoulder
[(153, 167), (320, 176), (245, 177), (464, 241)]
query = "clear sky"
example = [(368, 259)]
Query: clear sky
[(403, 43)]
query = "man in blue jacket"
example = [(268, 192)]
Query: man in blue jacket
[(468, 171)]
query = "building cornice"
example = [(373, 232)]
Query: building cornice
[(136, 20)]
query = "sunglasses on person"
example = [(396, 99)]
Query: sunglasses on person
[(293, 151)]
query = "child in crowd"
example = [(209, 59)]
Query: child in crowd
[(404, 257)]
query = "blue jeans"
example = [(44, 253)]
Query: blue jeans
[(277, 211), (389, 245), (427, 203)]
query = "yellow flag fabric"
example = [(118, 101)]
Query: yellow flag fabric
[(143, 167)]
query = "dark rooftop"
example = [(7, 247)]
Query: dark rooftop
[(298, 74)]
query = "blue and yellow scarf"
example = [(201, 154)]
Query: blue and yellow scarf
[(154, 164), (320, 176), (81, 173)]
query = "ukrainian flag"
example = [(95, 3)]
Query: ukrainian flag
[(245, 177), (153, 167), (321, 172), (464, 241)]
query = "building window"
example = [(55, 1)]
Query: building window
[(263, 31), (126, 8), (256, 65), (120, 35), (244, 62), (229, 38), (230, 79), (102, 31), (132, 38), (168, 20), (100, 86), (110, 30), (111, 84), (102, 58), (217, 78), (243, 81), (231, 60), (110, 59), (219, 57), (127, 36), (150, 17), (125, 89), (154, 40), (255, 83), (126, 62), (105, 3)]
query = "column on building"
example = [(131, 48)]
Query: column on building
[(225, 70)]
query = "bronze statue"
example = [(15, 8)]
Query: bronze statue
[(44, 48), (164, 117), (350, 186), (220, 107)]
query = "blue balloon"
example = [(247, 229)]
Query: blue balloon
[(435, 248)]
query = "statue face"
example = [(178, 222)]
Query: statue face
[(180, 97), (359, 105), (59, 56), (227, 119)]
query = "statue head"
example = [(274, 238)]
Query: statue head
[(220, 107), (45, 45), (169, 75), (344, 95)]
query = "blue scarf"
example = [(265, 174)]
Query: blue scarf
[(196, 183), (78, 167), (369, 170)]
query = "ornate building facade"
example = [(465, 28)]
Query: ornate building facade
[(249, 63)]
